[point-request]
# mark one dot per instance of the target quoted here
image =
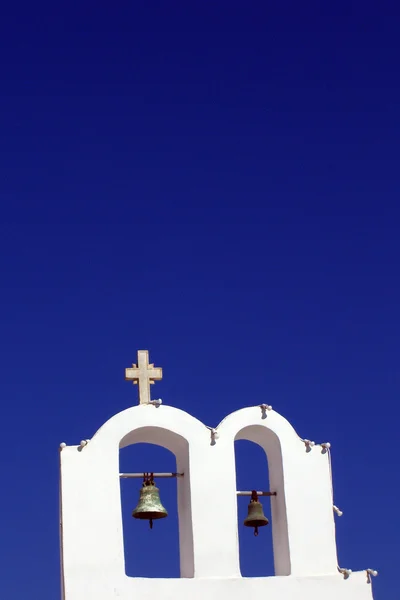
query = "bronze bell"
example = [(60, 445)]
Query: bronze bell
[(149, 506), (255, 515)]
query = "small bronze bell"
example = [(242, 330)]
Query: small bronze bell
[(255, 516), (149, 506)]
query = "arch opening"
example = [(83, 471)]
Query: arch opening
[(255, 553), (149, 552), (264, 465), (160, 450)]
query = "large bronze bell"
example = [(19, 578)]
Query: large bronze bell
[(149, 506), (255, 515)]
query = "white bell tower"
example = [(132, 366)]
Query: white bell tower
[(304, 545)]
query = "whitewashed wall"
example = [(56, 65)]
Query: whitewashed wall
[(302, 515)]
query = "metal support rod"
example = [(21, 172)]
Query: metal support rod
[(258, 493), (155, 475)]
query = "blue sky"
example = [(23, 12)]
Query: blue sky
[(219, 185)]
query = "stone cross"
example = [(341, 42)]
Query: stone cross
[(143, 374)]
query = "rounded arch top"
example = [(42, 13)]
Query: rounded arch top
[(252, 422), (164, 425)]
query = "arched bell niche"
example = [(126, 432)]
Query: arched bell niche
[(149, 552), (255, 553), (259, 466), (166, 550)]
